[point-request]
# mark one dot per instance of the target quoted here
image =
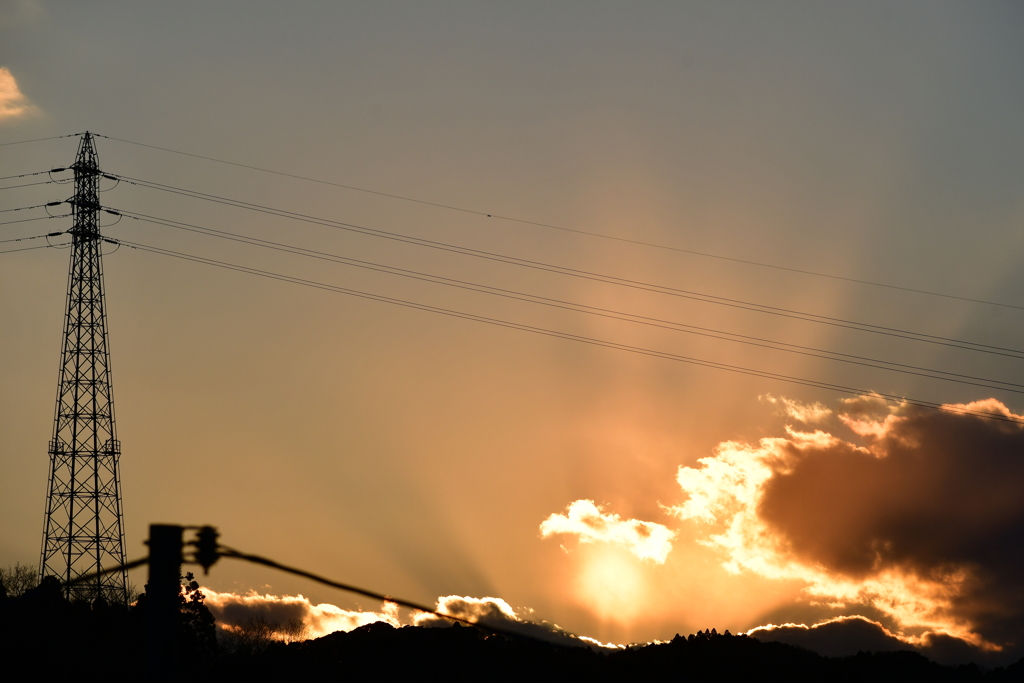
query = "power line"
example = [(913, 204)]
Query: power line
[(590, 310), (224, 551), (24, 175), (43, 246), (893, 398), (37, 218), (85, 578), (575, 230), (321, 182), (591, 275), (44, 182), (25, 142), (26, 208), (22, 239)]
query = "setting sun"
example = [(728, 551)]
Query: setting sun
[(611, 583)]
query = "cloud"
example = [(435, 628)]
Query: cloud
[(477, 610), (498, 614), (846, 636), (839, 637), (808, 413), (284, 613), (233, 610), (13, 104), (922, 519), (585, 519)]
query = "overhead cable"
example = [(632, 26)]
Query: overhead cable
[(590, 310), (42, 182), (578, 231), (25, 175), (893, 398), (85, 578), (26, 208), (42, 246), (37, 218), (53, 137), (34, 237), (591, 275), (224, 551)]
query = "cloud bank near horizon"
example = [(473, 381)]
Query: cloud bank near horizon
[(232, 610), (846, 636), (289, 615)]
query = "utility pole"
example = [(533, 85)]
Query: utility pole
[(84, 530), (163, 606)]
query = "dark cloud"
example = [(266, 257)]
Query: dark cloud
[(935, 494), (919, 516), (836, 638), (847, 636)]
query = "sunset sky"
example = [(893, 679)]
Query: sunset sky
[(858, 163)]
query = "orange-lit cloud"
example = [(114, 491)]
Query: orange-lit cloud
[(477, 610), (922, 520), (808, 413), (232, 610), (498, 614), (587, 521), (13, 103)]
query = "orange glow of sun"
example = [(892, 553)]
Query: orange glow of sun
[(612, 583)]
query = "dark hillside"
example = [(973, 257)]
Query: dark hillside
[(42, 632)]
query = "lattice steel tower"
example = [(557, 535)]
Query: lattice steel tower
[(84, 530)]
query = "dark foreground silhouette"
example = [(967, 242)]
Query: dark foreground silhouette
[(43, 633)]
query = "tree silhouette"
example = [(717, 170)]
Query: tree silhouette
[(16, 580)]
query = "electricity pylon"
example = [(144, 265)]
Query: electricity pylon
[(84, 530)]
